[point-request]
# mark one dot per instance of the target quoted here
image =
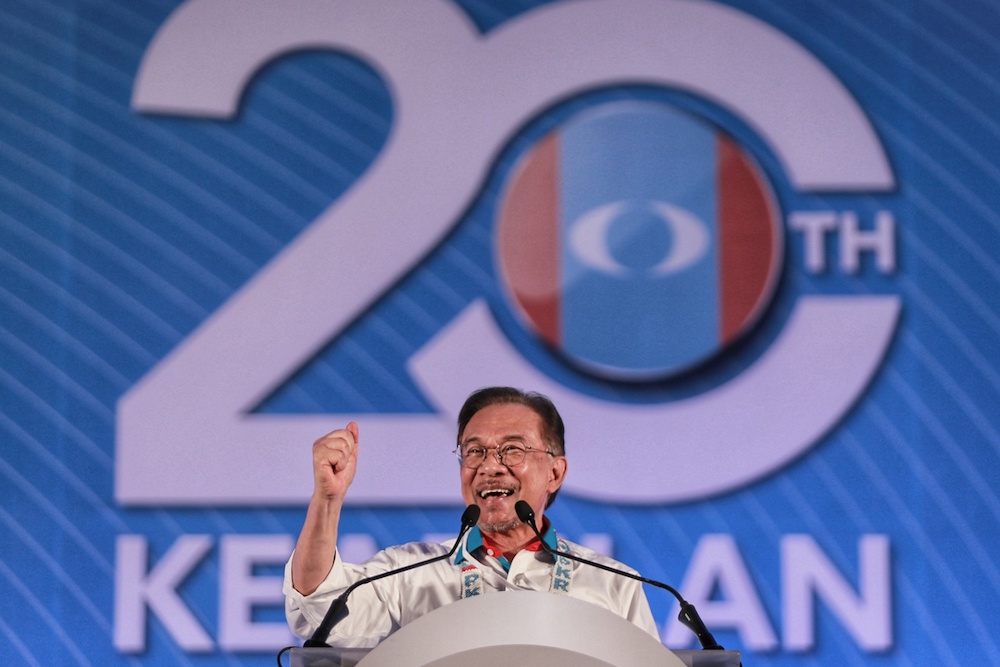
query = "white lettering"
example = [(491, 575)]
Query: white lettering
[(717, 565), (817, 225), (814, 225), (240, 592), (717, 582), (135, 589), (881, 240), (805, 571)]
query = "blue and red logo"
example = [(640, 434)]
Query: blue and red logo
[(638, 240)]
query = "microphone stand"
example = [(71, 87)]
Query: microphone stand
[(688, 614)]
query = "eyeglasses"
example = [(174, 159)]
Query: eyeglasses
[(472, 456)]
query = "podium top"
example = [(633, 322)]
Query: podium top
[(522, 627), (518, 627)]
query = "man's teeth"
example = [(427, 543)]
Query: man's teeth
[(495, 493)]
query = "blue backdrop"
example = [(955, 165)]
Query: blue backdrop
[(228, 227)]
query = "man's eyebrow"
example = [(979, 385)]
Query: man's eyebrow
[(513, 437)]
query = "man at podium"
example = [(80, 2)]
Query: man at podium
[(511, 447)]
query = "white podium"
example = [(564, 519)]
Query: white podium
[(519, 628)]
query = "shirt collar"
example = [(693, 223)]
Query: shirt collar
[(476, 540)]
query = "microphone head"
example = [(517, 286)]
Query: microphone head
[(524, 512), (470, 517)]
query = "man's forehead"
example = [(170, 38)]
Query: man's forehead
[(506, 437), (505, 421)]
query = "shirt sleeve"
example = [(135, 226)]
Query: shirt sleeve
[(375, 610), (636, 609), (370, 617)]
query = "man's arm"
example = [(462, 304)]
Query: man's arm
[(335, 458)]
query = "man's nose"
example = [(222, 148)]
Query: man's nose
[(491, 462)]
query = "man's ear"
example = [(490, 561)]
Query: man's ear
[(557, 473)]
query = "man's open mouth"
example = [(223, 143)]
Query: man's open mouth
[(496, 493)]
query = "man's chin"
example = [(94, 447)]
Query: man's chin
[(499, 526), (498, 515)]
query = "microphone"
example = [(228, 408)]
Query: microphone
[(338, 610), (688, 614)]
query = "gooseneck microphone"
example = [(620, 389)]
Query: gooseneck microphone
[(688, 614), (338, 610)]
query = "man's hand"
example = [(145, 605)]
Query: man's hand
[(335, 459)]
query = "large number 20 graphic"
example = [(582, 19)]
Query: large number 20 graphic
[(185, 435)]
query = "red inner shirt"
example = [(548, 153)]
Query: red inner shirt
[(535, 545)]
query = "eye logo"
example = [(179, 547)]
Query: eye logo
[(638, 240), (590, 237)]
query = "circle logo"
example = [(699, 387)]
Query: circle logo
[(637, 240)]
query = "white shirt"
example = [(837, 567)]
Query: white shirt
[(380, 608)]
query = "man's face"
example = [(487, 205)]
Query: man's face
[(531, 480)]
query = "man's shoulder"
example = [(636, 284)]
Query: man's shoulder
[(597, 557), (415, 551)]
